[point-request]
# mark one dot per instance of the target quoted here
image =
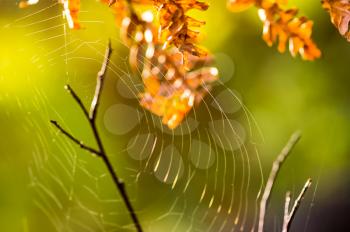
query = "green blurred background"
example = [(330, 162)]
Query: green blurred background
[(38, 56)]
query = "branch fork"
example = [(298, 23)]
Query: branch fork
[(277, 164), (91, 116)]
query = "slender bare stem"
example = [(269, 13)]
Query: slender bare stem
[(91, 116), (272, 177), (299, 199), (75, 140), (77, 99), (289, 216), (286, 208), (99, 85)]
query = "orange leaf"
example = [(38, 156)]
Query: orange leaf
[(71, 10), (287, 28), (239, 5), (339, 11)]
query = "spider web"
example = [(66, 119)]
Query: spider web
[(203, 176)]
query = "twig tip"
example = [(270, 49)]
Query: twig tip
[(297, 134), (309, 182), (110, 45), (53, 122), (67, 87)]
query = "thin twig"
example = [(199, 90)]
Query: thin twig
[(93, 112), (289, 216), (91, 116), (75, 140), (299, 199), (99, 85), (272, 177), (286, 208), (77, 99)]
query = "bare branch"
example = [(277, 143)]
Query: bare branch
[(75, 140), (91, 116), (300, 198), (99, 85), (290, 215), (272, 177), (286, 210), (77, 99)]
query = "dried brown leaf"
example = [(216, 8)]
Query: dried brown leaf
[(339, 11), (282, 27)]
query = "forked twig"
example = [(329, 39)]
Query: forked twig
[(75, 140), (289, 216), (272, 177), (91, 117)]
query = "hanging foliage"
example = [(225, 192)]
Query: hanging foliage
[(283, 26), (175, 70), (339, 11)]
